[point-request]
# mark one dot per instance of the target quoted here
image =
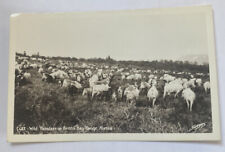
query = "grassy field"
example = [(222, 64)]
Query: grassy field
[(41, 105)]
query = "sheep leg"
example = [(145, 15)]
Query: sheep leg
[(164, 94), (191, 105), (92, 96), (187, 104), (176, 94), (153, 102), (149, 103)]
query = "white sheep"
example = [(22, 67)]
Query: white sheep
[(66, 83), (152, 94), (199, 82), (59, 74), (27, 75), (154, 82), (172, 87), (79, 78), (40, 70), (206, 86), (151, 76), (144, 85), (34, 66), (93, 79), (184, 80), (190, 83), (131, 93), (50, 68), (168, 77), (189, 97), (76, 84), (123, 77), (137, 76), (99, 89)]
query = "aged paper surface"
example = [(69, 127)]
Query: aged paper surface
[(133, 75)]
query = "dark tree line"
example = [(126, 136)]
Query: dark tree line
[(153, 65), (169, 65)]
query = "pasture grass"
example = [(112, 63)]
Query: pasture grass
[(45, 104)]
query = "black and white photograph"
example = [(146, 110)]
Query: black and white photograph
[(114, 73)]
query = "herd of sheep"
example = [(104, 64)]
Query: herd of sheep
[(113, 82)]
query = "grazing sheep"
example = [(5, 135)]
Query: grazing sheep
[(150, 81), (172, 87), (137, 76), (27, 75), (131, 93), (76, 84), (59, 75), (123, 77), (199, 82), (168, 77), (189, 97), (40, 70), (154, 82), (190, 83), (152, 94), (151, 76), (99, 89), (34, 66), (130, 77), (93, 79), (67, 83), (184, 80), (144, 85), (206, 86), (49, 68)]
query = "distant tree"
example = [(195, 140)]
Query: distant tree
[(74, 59), (108, 58)]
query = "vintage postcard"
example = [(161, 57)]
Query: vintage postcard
[(131, 75)]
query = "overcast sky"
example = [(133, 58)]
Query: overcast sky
[(123, 36)]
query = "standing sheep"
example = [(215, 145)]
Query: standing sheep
[(189, 97), (27, 75), (206, 86), (199, 82), (152, 94), (131, 93), (172, 87), (40, 70)]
